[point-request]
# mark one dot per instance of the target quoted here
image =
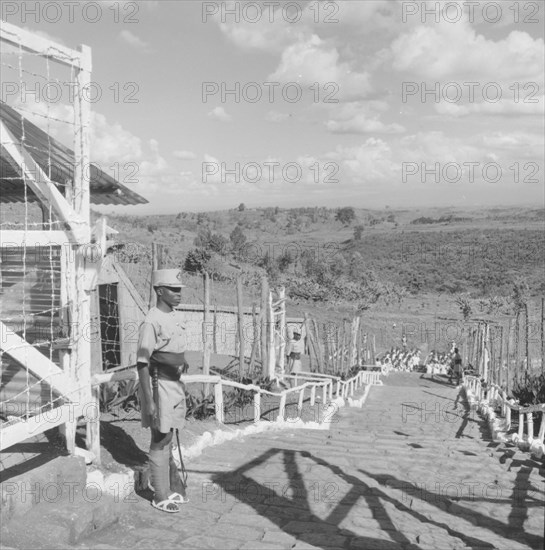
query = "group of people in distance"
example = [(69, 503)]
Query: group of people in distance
[(448, 363), (400, 360), (403, 360)]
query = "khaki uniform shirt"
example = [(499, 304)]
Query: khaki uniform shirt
[(161, 331)]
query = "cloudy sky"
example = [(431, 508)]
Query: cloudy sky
[(204, 105)]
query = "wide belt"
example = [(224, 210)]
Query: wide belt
[(295, 355), (169, 365)]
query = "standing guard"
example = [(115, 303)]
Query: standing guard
[(160, 362)]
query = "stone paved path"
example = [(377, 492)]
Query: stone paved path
[(413, 469)]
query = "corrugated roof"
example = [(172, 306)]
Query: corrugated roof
[(44, 149)]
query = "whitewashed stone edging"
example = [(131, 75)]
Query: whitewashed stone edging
[(224, 434), (498, 426), (359, 402), (117, 485)]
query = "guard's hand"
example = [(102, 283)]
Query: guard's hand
[(151, 411)]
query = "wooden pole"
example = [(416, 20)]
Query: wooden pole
[(326, 348), (215, 329), (271, 340), (282, 329), (500, 371), (508, 356), (264, 319), (517, 348), (205, 331), (154, 266), (80, 356), (311, 342), (240, 313), (337, 358), (543, 340), (354, 341), (341, 348), (255, 339), (527, 337), (319, 347)]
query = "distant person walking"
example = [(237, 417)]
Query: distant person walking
[(160, 362), (294, 351), (456, 367)]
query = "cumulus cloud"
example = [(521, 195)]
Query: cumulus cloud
[(219, 113), (359, 117), (313, 60), (134, 41), (369, 163), (110, 142), (456, 51), (506, 106)]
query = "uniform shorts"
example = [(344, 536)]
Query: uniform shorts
[(296, 366), (170, 405)]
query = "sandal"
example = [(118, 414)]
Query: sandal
[(178, 498), (167, 506)]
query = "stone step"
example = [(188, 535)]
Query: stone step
[(61, 523)]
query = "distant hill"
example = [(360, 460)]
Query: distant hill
[(480, 251)]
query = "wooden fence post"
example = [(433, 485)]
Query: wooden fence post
[(326, 348), (354, 341), (517, 346), (255, 340), (337, 358), (543, 344), (154, 266), (218, 399), (215, 329), (205, 332), (508, 356), (264, 320), (500, 360), (319, 347), (282, 329), (271, 343), (527, 338), (240, 316), (343, 345), (312, 344)]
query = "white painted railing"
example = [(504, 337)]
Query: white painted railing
[(490, 397), (312, 381)]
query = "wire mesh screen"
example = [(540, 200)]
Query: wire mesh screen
[(30, 307), (37, 108)]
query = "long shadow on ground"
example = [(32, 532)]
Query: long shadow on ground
[(318, 532), (295, 517)]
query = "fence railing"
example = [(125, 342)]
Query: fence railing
[(313, 381), (495, 397)]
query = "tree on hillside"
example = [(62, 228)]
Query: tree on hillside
[(241, 207), (211, 241), (238, 240), (520, 293), (345, 215), (358, 232), (202, 218), (464, 303), (197, 260)]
